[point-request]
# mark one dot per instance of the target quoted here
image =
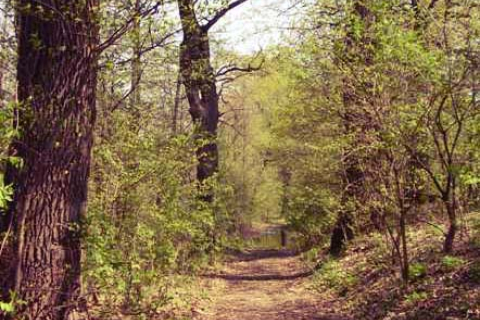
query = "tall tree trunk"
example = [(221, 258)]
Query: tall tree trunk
[(198, 77), (357, 125), (56, 89)]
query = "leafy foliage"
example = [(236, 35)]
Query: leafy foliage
[(333, 276), (418, 270), (452, 263)]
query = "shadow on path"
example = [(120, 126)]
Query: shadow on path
[(265, 284), (255, 273), (260, 277), (259, 254)]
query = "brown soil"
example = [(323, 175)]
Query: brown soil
[(262, 285)]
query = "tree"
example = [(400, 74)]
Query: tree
[(199, 80), (56, 77), (449, 104), (357, 120)]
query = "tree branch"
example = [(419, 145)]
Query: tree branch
[(117, 34), (250, 67), (224, 71), (432, 4), (210, 23), (232, 126)]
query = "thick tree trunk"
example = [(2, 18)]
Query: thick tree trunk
[(353, 188), (197, 75), (357, 125), (341, 233), (56, 88)]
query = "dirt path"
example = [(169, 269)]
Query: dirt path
[(262, 285)]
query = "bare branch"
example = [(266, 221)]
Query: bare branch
[(160, 43), (210, 23), (134, 86), (249, 68), (233, 127), (117, 34)]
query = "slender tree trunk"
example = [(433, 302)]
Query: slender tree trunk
[(176, 106), (56, 89), (453, 227), (136, 71), (135, 106), (405, 265)]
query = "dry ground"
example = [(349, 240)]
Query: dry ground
[(262, 285)]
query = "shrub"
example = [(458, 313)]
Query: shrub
[(416, 296), (417, 271), (332, 276), (450, 263)]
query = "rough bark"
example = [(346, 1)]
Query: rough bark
[(56, 91), (198, 78)]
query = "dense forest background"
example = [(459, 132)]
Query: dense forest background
[(353, 127)]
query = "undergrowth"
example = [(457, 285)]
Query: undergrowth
[(365, 284)]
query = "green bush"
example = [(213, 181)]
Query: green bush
[(450, 263), (5, 193), (332, 276), (146, 220), (417, 271), (7, 307), (416, 296)]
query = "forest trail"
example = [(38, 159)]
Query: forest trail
[(262, 285)]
